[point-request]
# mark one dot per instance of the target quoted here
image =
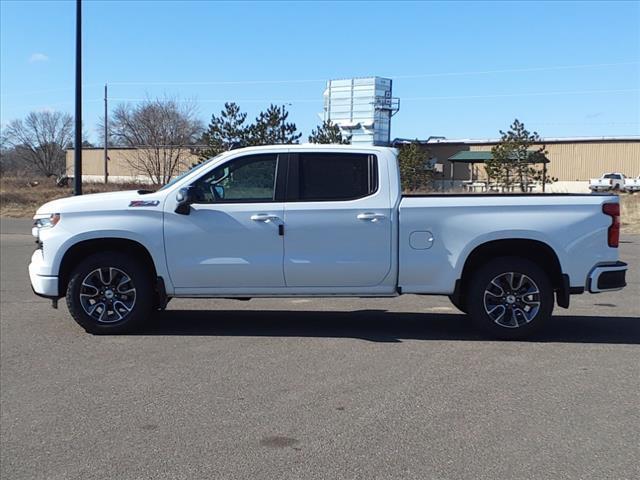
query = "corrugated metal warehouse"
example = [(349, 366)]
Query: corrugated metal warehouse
[(572, 160), (121, 164)]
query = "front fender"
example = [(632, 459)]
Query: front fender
[(145, 228)]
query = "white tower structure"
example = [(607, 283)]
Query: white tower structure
[(362, 108)]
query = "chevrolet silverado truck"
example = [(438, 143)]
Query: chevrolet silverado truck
[(632, 185), (328, 221), (608, 181)]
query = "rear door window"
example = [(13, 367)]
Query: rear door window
[(334, 176)]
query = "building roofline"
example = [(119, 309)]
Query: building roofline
[(490, 141), (114, 147), (286, 146)]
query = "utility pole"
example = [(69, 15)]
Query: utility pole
[(77, 154), (106, 137)]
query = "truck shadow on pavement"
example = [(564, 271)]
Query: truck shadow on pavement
[(378, 326)]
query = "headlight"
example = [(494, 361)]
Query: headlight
[(44, 221)]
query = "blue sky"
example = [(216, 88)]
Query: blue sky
[(462, 70)]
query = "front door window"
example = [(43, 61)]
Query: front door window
[(250, 179)]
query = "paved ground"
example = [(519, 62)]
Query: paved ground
[(307, 389)]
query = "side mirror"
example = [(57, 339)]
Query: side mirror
[(185, 197)]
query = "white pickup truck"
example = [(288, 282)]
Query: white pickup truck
[(313, 220), (608, 181), (632, 185)]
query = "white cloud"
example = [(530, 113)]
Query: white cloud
[(38, 57)]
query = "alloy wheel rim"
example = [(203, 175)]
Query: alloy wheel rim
[(512, 299), (107, 295)]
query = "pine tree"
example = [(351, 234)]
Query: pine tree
[(271, 128), (513, 158), (414, 171), (328, 132), (226, 131)]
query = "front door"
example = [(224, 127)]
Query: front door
[(232, 236), (338, 221)]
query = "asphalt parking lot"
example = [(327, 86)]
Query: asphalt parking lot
[(327, 388)]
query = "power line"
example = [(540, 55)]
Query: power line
[(55, 90), (421, 75), (528, 94), (453, 97), (246, 100), (292, 81), (319, 100), (516, 70)]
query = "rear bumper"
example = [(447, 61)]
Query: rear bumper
[(42, 285), (607, 277)]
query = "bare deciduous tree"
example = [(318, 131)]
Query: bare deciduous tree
[(159, 132), (40, 140)]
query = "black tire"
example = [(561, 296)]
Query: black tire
[(458, 304), (526, 308), (123, 306)]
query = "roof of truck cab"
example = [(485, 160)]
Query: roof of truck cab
[(320, 146), (314, 146)]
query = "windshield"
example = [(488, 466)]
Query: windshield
[(191, 170)]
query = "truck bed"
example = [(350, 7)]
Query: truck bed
[(436, 231)]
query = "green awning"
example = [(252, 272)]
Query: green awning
[(469, 156)]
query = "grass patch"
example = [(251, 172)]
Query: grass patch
[(630, 213), (21, 198)]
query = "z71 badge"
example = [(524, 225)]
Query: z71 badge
[(144, 203)]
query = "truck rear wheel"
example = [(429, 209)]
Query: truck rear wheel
[(510, 298), (109, 293)]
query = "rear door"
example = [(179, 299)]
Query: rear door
[(337, 221)]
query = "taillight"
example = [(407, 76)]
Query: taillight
[(613, 210)]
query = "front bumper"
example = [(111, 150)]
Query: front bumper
[(43, 285), (607, 277)]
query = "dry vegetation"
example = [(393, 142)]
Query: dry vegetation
[(630, 213), (20, 198)]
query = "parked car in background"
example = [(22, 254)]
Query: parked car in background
[(312, 220), (608, 181), (632, 185)]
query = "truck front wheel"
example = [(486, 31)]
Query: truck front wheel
[(510, 298), (109, 292), (457, 302)]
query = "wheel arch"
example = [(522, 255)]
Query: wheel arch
[(537, 251), (80, 250)]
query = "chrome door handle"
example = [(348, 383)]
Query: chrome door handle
[(264, 217), (373, 217)]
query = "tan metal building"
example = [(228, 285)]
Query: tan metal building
[(122, 164), (573, 161)]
